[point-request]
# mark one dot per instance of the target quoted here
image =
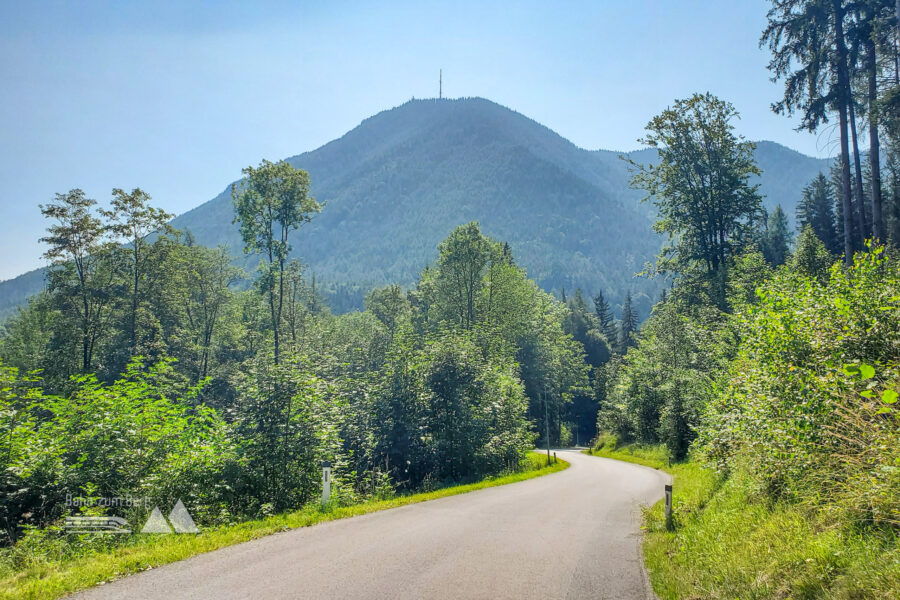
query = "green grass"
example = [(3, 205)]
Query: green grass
[(47, 579), (649, 456), (739, 546), (730, 543)]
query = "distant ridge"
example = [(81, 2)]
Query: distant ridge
[(399, 182)]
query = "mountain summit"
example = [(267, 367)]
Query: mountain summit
[(402, 180)]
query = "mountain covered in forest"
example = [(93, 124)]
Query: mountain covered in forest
[(398, 183)]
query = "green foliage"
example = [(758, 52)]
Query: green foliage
[(816, 209), (272, 201), (701, 186), (587, 329), (200, 292), (143, 435), (84, 274), (605, 321), (476, 411), (749, 271), (390, 305), (777, 239), (131, 220), (628, 325), (811, 257), (801, 408), (435, 385), (282, 426), (464, 256), (663, 382)]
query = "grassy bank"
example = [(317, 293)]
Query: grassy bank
[(730, 543), (45, 577)]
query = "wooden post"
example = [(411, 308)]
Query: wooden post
[(554, 458), (669, 524)]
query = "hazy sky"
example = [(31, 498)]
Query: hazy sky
[(177, 97)]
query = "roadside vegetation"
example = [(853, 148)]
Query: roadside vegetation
[(766, 379), (48, 564), (145, 372), (730, 541)]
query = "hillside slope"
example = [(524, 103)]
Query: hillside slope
[(399, 182)]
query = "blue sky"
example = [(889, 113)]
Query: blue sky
[(177, 97)]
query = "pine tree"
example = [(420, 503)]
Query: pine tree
[(810, 53), (816, 209), (811, 257), (628, 326), (605, 318), (777, 239)]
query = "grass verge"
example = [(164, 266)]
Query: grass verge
[(729, 542), (46, 580)]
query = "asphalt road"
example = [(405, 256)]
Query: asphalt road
[(572, 534)]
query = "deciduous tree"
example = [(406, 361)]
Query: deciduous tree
[(272, 201)]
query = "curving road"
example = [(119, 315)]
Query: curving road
[(572, 534)]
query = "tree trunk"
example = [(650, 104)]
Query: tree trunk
[(280, 309), (861, 224), (874, 143), (85, 345), (843, 95), (134, 298), (547, 425), (86, 317), (274, 323)]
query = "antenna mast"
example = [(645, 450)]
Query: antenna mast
[(440, 84)]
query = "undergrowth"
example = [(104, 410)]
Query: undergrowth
[(731, 541)]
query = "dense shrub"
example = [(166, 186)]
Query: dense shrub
[(808, 403), (143, 435), (663, 382)]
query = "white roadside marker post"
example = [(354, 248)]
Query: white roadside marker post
[(326, 481), (669, 507)]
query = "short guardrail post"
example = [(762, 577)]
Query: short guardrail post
[(326, 481), (669, 524), (554, 458)]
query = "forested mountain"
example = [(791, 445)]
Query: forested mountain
[(403, 179), (15, 292)]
